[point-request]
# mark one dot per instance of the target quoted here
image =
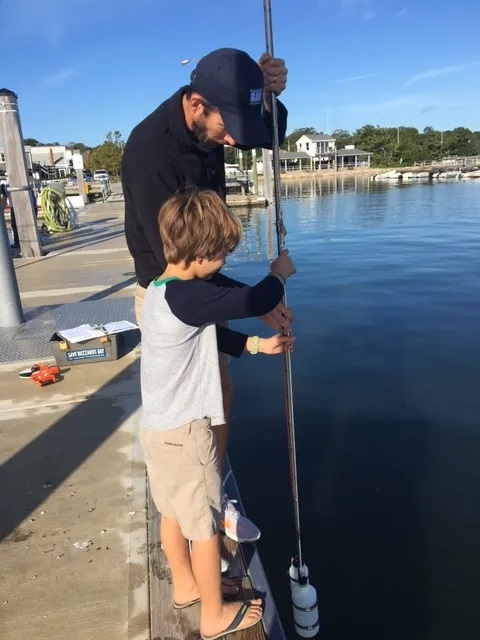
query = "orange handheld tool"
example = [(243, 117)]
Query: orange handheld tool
[(45, 374)]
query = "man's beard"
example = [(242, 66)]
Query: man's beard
[(199, 130)]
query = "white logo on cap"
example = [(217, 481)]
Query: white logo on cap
[(256, 96)]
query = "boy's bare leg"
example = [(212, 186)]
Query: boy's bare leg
[(215, 614), (177, 551)]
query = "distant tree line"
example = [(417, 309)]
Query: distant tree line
[(394, 146), (108, 155), (390, 146)]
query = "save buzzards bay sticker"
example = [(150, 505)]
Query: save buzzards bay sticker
[(85, 354)]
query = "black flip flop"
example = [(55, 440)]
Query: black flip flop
[(233, 627), (228, 597), (179, 607)]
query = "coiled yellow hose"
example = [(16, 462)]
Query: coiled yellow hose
[(59, 216)]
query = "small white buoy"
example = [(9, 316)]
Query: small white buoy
[(305, 604)]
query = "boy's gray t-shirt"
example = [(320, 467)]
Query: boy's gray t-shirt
[(181, 338)]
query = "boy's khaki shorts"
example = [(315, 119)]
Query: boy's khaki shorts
[(184, 476)]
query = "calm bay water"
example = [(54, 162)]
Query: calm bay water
[(387, 402)]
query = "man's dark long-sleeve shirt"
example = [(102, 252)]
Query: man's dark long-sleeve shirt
[(162, 156)]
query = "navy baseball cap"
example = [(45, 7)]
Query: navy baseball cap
[(231, 81)]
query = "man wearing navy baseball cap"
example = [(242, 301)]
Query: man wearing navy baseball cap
[(231, 82), (181, 144)]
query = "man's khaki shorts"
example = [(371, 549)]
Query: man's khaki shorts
[(223, 358), (139, 297), (184, 477)]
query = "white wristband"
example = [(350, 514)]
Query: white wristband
[(279, 276)]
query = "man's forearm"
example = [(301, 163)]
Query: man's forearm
[(282, 121)]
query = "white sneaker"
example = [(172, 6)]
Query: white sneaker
[(225, 565), (236, 526)]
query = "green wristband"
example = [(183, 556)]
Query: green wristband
[(255, 345)]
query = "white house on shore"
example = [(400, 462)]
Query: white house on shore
[(315, 145), (323, 153), (314, 152), (320, 147)]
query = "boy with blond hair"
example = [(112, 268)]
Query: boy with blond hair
[(182, 333)]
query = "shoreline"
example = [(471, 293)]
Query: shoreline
[(331, 173), (406, 175), (364, 172)]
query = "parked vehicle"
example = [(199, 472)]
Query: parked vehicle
[(100, 175), (87, 177)]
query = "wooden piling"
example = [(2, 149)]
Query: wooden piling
[(18, 179)]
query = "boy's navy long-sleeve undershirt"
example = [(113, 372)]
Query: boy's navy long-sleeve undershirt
[(200, 302)]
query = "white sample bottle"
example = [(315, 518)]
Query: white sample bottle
[(304, 601), (293, 572)]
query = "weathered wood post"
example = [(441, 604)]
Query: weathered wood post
[(240, 159), (267, 176), (81, 184), (11, 307), (254, 172), (16, 164), (269, 231)]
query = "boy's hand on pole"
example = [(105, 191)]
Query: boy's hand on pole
[(276, 344)]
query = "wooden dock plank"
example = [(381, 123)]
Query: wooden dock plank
[(170, 624), (166, 623)]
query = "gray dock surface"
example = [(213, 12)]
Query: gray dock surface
[(75, 515)]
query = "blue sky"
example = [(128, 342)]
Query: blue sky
[(82, 69)]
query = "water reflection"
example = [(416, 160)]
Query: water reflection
[(258, 240), (323, 207), (386, 371), (311, 188), (308, 204)]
